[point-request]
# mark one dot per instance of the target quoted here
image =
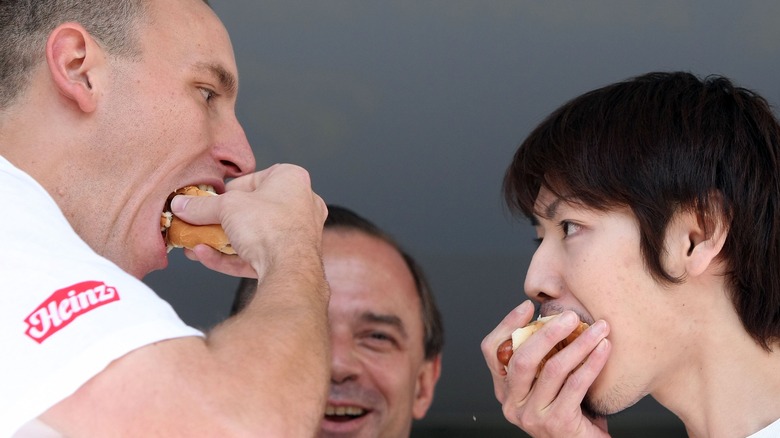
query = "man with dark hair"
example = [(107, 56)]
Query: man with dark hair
[(106, 108), (657, 205), (386, 331)]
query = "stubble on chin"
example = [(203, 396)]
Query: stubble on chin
[(614, 401), (592, 410)]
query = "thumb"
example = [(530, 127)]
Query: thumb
[(197, 210)]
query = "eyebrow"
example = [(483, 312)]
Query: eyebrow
[(549, 211), (390, 320), (552, 208), (227, 80)]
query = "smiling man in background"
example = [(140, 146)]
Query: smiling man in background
[(386, 331)]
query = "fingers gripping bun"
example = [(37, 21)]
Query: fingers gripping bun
[(520, 335), (180, 234)]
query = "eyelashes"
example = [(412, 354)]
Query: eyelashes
[(565, 227), (568, 228), (208, 94)]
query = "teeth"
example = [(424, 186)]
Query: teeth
[(352, 411), (207, 188), (165, 220)]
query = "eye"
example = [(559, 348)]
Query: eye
[(569, 228), (208, 94), (379, 341), (539, 233), (380, 336)]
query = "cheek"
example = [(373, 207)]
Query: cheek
[(593, 276), (619, 290), (391, 375), (611, 275), (626, 302)]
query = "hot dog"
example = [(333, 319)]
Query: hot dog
[(180, 234), (507, 348)]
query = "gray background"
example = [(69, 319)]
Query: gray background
[(409, 112)]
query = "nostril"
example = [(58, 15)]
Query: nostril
[(541, 296), (339, 378), (233, 168)]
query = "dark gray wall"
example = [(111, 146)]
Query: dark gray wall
[(409, 111)]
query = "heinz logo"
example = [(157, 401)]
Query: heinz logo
[(65, 305)]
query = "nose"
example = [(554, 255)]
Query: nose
[(345, 365), (233, 150), (543, 281)]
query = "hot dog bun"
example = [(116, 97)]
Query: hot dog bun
[(180, 234), (520, 335)]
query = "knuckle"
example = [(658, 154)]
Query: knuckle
[(523, 362), (553, 367), (553, 335), (574, 381), (527, 420), (323, 207), (233, 198), (295, 170), (485, 345), (514, 413)]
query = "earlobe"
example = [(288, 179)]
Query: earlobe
[(426, 383), (71, 56), (706, 242), (693, 243)]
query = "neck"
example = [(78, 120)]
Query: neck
[(52, 156), (726, 385)]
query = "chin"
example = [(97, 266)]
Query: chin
[(139, 265), (600, 403), (155, 264)]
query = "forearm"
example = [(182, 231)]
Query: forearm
[(278, 347), (262, 373)]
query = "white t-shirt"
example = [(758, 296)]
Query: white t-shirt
[(65, 311), (771, 431)]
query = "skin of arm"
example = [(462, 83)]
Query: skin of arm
[(83, 107), (263, 371)]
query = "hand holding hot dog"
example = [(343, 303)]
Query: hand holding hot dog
[(542, 398), (271, 217)]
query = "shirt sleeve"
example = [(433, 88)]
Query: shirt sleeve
[(65, 312)]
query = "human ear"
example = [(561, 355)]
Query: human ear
[(694, 242), (426, 383), (72, 57), (706, 244)]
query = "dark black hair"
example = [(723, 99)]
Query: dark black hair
[(665, 142)]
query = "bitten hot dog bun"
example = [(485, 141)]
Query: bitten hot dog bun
[(507, 348), (180, 234)]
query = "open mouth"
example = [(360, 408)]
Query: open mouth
[(341, 414), (166, 217)]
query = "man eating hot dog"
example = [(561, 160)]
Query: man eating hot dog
[(656, 203)]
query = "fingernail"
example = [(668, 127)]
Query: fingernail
[(600, 326), (569, 318), (178, 203)]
